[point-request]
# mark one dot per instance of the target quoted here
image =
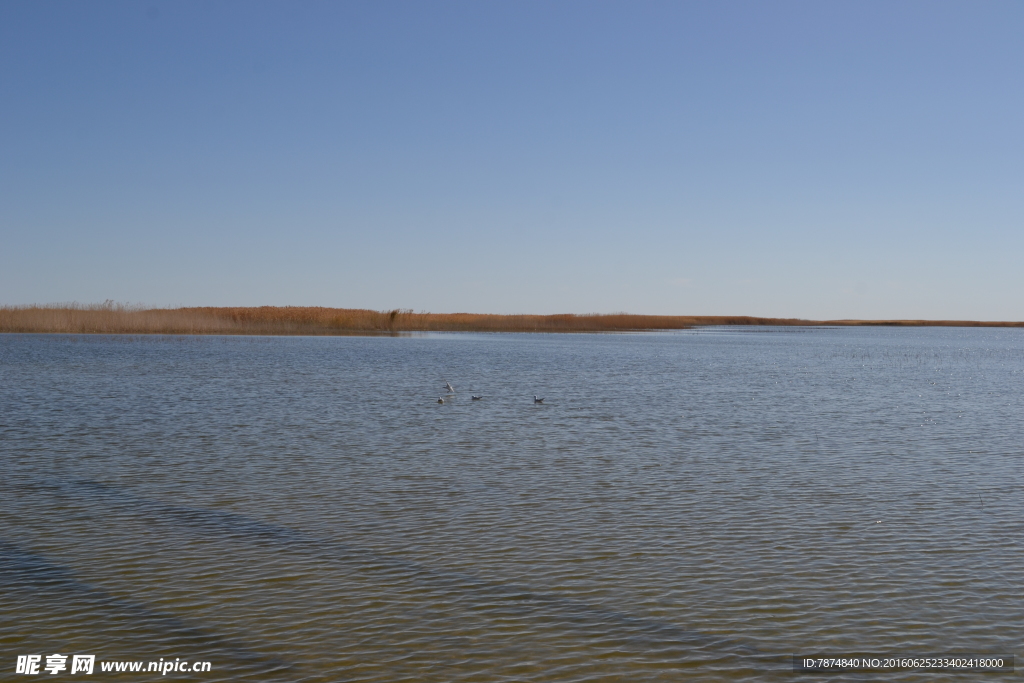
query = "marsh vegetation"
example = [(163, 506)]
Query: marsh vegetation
[(114, 318)]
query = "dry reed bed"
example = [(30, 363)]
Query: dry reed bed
[(308, 320)]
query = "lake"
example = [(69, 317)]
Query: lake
[(698, 505)]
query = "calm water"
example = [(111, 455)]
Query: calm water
[(698, 505)]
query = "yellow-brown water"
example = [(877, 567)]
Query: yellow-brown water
[(695, 505)]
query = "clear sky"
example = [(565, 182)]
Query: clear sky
[(807, 159)]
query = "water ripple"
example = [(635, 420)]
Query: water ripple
[(685, 505)]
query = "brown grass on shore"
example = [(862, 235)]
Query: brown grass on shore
[(110, 318)]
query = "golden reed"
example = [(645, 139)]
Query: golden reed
[(111, 318)]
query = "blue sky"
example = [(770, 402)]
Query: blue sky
[(806, 159)]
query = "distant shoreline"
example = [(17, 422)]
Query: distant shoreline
[(308, 320)]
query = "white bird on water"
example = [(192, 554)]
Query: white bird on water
[(440, 400), (449, 387), (537, 400)]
